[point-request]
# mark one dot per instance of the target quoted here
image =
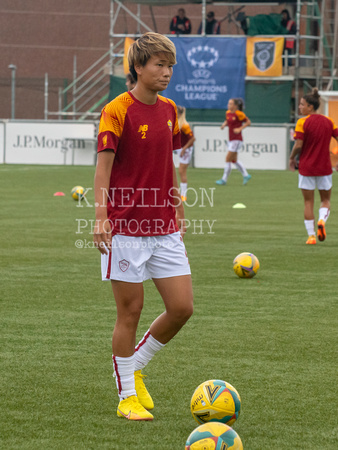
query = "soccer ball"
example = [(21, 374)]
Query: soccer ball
[(213, 436), (246, 265), (78, 192), (215, 401)]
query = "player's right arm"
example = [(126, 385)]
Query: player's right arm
[(336, 138), (102, 230), (298, 145)]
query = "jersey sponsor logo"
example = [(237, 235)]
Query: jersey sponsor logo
[(105, 140), (124, 265), (170, 125), (143, 129)]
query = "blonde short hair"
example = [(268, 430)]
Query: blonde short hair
[(148, 45), (181, 119)]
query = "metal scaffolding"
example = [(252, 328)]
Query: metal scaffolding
[(315, 59)]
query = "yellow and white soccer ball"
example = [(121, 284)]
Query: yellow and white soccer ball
[(78, 192), (215, 401), (214, 436), (246, 265)]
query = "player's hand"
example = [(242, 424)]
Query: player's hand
[(237, 130), (102, 236), (292, 164), (182, 153)]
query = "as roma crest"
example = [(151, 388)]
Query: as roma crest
[(123, 264)]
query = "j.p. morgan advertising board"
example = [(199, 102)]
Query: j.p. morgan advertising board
[(263, 147), (50, 143)]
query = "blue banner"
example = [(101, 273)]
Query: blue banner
[(208, 73)]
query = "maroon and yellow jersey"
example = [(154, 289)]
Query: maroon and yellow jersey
[(315, 131), (143, 138), (235, 120), (186, 134)]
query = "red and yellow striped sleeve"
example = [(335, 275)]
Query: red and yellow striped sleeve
[(241, 116), (112, 122), (299, 130), (334, 128), (186, 129)]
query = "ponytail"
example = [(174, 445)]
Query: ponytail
[(239, 103), (313, 98)]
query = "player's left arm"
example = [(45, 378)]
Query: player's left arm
[(178, 205), (246, 122), (297, 148)]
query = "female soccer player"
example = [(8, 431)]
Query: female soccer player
[(140, 217), (187, 140), (313, 135), (236, 120), (130, 82)]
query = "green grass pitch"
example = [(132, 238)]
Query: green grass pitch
[(273, 337)]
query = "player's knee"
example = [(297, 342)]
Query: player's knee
[(131, 316), (184, 312), (189, 312)]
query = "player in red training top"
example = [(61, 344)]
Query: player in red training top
[(185, 153), (140, 217), (236, 120), (313, 135)]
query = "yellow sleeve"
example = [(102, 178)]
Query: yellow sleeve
[(241, 116), (299, 130)]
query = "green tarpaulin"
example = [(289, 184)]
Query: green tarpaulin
[(265, 24)]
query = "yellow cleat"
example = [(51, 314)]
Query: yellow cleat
[(142, 394), (321, 233), (311, 240), (183, 198), (131, 409)]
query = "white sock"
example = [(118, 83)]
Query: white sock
[(184, 187), (324, 214), (124, 369), (227, 171), (145, 350), (310, 227), (241, 168)]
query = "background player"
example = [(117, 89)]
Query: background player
[(130, 82), (313, 135), (236, 120), (137, 233), (187, 140)]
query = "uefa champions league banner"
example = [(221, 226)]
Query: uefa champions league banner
[(209, 71)]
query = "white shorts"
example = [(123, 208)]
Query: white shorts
[(187, 155), (135, 259), (309, 183), (235, 146)]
